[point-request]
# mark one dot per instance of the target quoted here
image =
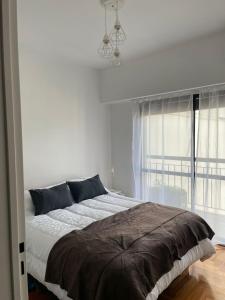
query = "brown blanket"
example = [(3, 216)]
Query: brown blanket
[(123, 256)]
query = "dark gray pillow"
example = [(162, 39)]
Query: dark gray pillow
[(86, 189), (46, 200)]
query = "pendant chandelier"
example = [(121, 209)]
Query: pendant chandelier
[(111, 42)]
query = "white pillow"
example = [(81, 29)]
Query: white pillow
[(28, 204)]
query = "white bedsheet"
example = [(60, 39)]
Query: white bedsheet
[(43, 231)]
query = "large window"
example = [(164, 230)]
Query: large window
[(180, 160)]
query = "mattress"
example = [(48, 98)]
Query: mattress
[(43, 231)]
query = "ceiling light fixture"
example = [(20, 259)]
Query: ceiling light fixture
[(117, 35), (106, 48), (110, 44)]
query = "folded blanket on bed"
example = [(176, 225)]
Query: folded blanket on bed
[(123, 256)]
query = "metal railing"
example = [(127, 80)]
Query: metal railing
[(172, 173)]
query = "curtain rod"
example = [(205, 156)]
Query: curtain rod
[(196, 90)]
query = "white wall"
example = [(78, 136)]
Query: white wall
[(122, 147), (66, 131), (193, 64)]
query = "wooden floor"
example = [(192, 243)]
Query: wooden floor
[(205, 281)]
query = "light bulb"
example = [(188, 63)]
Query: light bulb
[(116, 58), (106, 48)]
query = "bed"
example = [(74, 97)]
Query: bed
[(43, 232)]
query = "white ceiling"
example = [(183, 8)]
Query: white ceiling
[(74, 28)]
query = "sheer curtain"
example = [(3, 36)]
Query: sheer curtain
[(179, 154), (210, 161), (162, 150)]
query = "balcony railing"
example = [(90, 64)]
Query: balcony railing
[(178, 176)]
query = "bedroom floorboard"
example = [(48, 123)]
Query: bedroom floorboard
[(206, 281)]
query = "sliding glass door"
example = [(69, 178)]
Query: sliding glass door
[(210, 160), (166, 171), (179, 154)]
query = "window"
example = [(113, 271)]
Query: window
[(180, 160)]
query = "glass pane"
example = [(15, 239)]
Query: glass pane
[(167, 159), (210, 167)]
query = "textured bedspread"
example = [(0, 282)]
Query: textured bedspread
[(123, 256)]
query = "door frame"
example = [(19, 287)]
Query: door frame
[(13, 142)]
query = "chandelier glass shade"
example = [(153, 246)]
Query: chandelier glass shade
[(109, 47)]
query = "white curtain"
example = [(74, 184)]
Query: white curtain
[(210, 161), (179, 154), (162, 147)]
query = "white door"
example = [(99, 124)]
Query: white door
[(12, 233)]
